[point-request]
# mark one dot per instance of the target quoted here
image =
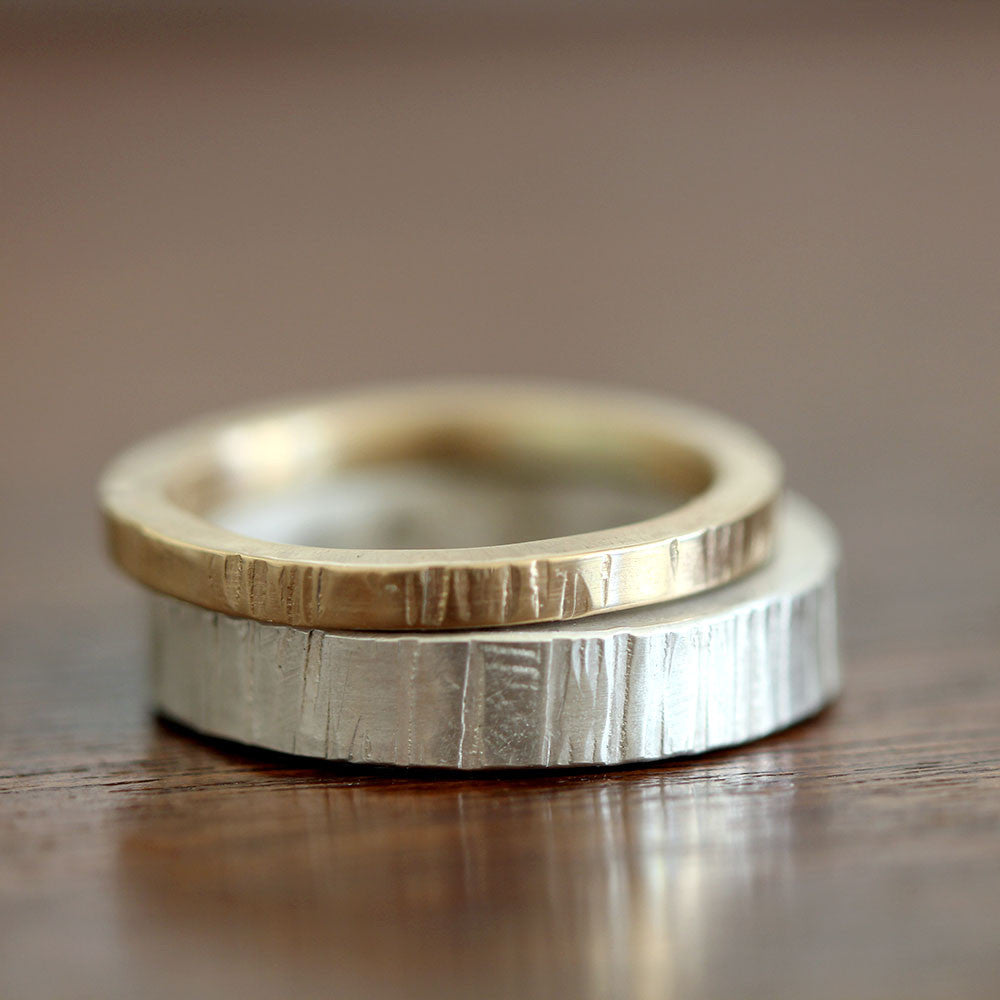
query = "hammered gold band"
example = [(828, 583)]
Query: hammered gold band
[(158, 500)]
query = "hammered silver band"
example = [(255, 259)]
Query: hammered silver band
[(713, 670)]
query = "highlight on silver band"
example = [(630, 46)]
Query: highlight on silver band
[(712, 670)]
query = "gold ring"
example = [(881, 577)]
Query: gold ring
[(159, 499)]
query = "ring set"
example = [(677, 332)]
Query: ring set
[(685, 607)]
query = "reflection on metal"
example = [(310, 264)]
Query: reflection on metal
[(713, 670)]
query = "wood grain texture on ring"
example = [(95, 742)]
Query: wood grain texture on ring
[(712, 670), (158, 498)]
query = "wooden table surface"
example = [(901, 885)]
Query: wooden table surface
[(790, 215)]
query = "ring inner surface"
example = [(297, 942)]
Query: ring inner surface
[(426, 505), (439, 486)]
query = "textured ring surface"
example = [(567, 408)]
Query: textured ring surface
[(159, 500), (708, 671)]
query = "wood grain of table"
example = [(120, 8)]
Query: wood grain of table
[(790, 215)]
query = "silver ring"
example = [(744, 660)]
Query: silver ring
[(713, 670)]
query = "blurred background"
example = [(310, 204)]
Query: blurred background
[(788, 211), (784, 209)]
